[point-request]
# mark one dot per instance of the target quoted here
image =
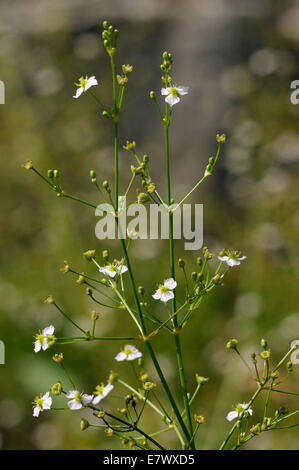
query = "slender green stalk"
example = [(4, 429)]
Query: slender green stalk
[(172, 271), (69, 318)]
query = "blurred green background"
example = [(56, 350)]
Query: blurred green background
[(239, 59)]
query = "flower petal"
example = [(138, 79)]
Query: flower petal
[(121, 357), (231, 415), (36, 411), (71, 393), (165, 91), (157, 295), (223, 258), (183, 90), (165, 296), (122, 269), (79, 92), (172, 99), (74, 405), (37, 346), (87, 398), (170, 283), (49, 330)]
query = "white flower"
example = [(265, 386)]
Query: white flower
[(173, 94), (113, 269), (242, 409), (44, 339), (129, 353), (41, 404), (164, 293), (78, 400), (101, 392), (84, 84), (232, 259)]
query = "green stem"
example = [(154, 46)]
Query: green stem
[(68, 318), (172, 271)]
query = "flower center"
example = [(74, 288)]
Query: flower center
[(39, 402), (163, 289), (127, 351), (100, 389), (40, 338), (173, 91), (77, 397), (112, 268), (239, 409), (83, 82)]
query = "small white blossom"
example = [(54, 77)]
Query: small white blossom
[(164, 292), (78, 400), (232, 259), (173, 94), (129, 353), (84, 84), (242, 409), (42, 403), (101, 392), (112, 269), (44, 339)]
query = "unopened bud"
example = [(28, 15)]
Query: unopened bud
[(89, 255), (232, 344)]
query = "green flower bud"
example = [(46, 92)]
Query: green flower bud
[(200, 419), (65, 269), (56, 388), (92, 174), (140, 290), (201, 380), (256, 430), (221, 138), (144, 377), (28, 165), (49, 300), (232, 344), (105, 254), (101, 414), (199, 261), (266, 354), (109, 432), (122, 80), (56, 174), (84, 424), (264, 343), (127, 68), (181, 263), (113, 377), (50, 174), (89, 255), (58, 357), (105, 24), (140, 361), (149, 386), (289, 366), (152, 95), (216, 279), (94, 315), (105, 185), (151, 188), (142, 198), (194, 276), (80, 280), (88, 291)]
